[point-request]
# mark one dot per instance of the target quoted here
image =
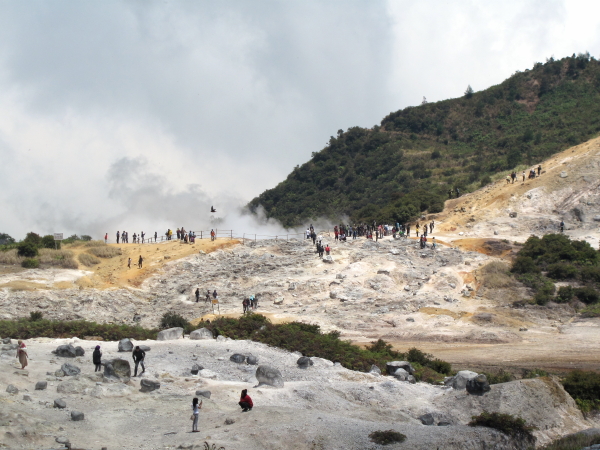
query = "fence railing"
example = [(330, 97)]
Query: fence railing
[(219, 234)]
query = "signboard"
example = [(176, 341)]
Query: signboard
[(58, 236)]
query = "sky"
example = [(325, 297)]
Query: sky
[(140, 115)]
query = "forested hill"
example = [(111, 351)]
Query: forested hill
[(405, 166)]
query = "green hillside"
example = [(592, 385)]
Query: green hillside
[(407, 164)]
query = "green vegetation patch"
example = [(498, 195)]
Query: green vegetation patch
[(508, 424), (573, 442), (584, 387), (386, 437)]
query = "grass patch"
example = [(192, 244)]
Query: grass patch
[(573, 442), (508, 424), (584, 387), (88, 260), (496, 275), (534, 373), (499, 377), (104, 251), (10, 257), (57, 258), (591, 311), (28, 328), (386, 437), (30, 263)]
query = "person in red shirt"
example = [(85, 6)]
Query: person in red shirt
[(245, 401)]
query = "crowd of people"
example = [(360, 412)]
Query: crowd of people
[(510, 179), (140, 238)]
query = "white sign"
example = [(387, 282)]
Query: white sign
[(58, 236)]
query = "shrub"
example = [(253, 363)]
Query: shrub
[(565, 294), (587, 294), (534, 373), (49, 242), (573, 442), (30, 263), (496, 275), (498, 377), (6, 239), (173, 320), (386, 437), (104, 251), (591, 311), (27, 249), (515, 427), (33, 238), (88, 260), (524, 264), (94, 244), (562, 271), (57, 258), (583, 385), (36, 315)]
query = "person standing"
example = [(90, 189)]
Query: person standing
[(138, 358), (155, 236), (207, 296), (140, 262), (129, 263), (197, 294), (215, 296), (539, 170), (562, 226), (22, 354), (118, 236), (523, 176), (106, 238), (245, 401), (196, 407), (97, 359)]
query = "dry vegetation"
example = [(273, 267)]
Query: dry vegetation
[(88, 260), (104, 251), (47, 258), (496, 275)]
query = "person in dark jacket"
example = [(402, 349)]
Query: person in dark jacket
[(138, 358), (245, 401), (97, 358)]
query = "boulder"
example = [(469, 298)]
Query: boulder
[(205, 394), (459, 381), (304, 362), (144, 348), (41, 385), (220, 338), (392, 366), (202, 333), (27, 398), (478, 385), (125, 345), (205, 373), (6, 340), (170, 334), (328, 259), (196, 368), (70, 370), (427, 419), (147, 385), (59, 373), (63, 440), (60, 403), (66, 351), (237, 358), (79, 351), (12, 389), (269, 375), (229, 421), (401, 374), (252, 360), (76, 416), (411, 379), (375, 370), (117, 370)]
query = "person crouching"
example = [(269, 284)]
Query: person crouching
[(245, 401)]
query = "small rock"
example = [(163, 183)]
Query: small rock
[(60, 403), (400, 374), (220, 338), (237, 358), (125, 345), (410, 319), (147, 385), (278, 301), (59, 373), (522, 329), (375, 370), (144, 348), (563, 174), (27, 398), (12, 389), (76, 416), (444, 424), (392, 366), (495, 233), (304, 362), (229, 421), (70, 370), (427, 419), (205, 394), (407, 288), (196, 368), (41, 385), (62, 440), (252, 360)]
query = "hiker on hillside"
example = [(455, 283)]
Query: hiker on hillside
[(143, 235), (140, 261), (118, 236), (450, 193), (457, 192), (562, 226), (523, 176), (196, 407), (207, 298), (539, 170), (197, 293), (134, 238), (327, 249), (245, 304), (22, 354), (106, 238), (214, 294), (407, 230), (433, 244), (129, 263), (245, 401), (308, 233), (513, 176), (138, 358), (97, 359)]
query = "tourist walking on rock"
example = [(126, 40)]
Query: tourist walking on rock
[(196, 407), (539, 170), (245, 303), (138, 358), (562, 226), (207, 299), (22, 354), (245, 401), (197, 294), (97, 359), (140, 262)]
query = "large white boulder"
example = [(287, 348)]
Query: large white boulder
[(202, 333), (170, 334)]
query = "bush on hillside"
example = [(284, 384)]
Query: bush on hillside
[(6, 239), (584, 387), (573, 442), (30, 263), (36, 315), (508, 424), (88, 260), (49, 242), (501, 376), (524, 264), (104, 251), (386, 437), (587, 295), (27, 249), (174, 320)]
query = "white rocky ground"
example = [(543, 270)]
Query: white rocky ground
[(322, 407)]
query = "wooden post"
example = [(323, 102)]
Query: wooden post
[(231, 237), (255, 239)]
